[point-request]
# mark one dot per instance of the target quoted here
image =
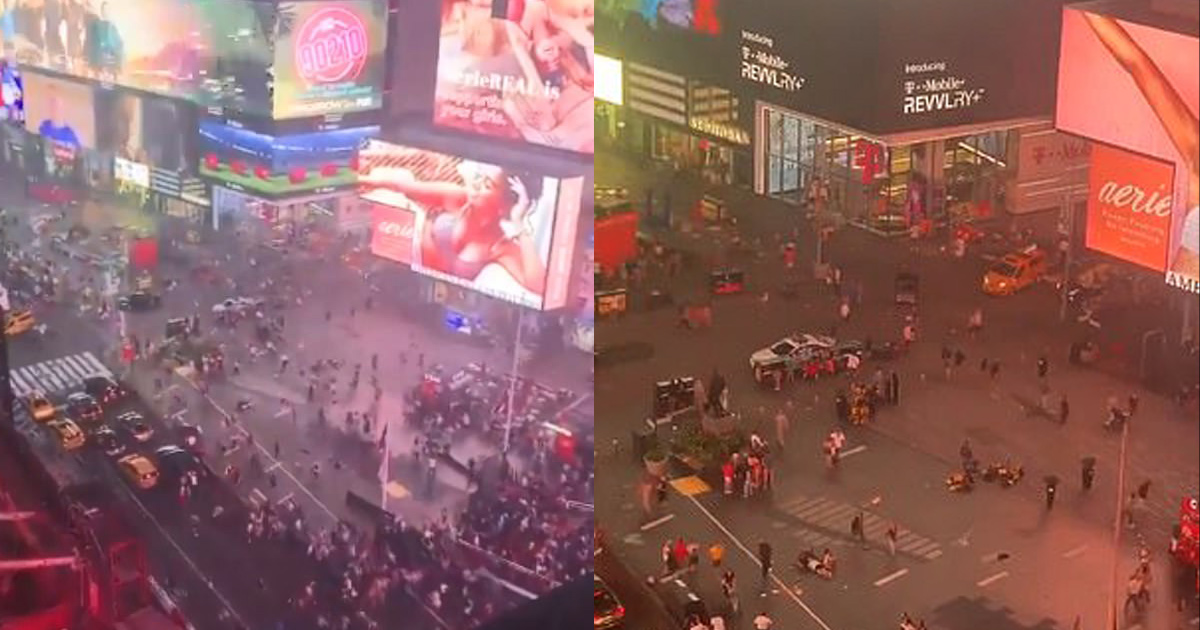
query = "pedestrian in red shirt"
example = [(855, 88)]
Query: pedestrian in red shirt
[(680, 551)]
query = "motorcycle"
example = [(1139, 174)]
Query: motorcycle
[(960, 482), (1006, 475), (1116, 419)]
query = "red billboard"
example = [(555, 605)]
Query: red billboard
[(502, 231), (1137, 87), (392, 233), (1129, 206)]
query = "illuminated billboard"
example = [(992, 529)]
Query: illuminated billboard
[(214, 51), (275, 167), (518, 70), (1148, 81), (609, 85), (504, 232), (60, 111), (1129, 206), (331, 61), (12, 93)]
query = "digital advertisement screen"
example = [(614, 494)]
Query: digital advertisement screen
[(274, 167), (1148, 81), (145, 129), (1129, 206), (12, 93), (331, 61), (392, 232), (518, 70), (61, 111), (876, 66), (506, 233), (610, 84), (699, 15), (215, 51)]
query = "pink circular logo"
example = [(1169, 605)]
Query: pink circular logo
[(331, 46)]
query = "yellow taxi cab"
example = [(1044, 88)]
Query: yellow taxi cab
[(18, 322), (1014, 272), (40, 407), (139, 470), (70, 437)]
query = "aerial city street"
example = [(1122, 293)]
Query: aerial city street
[(898, 315), (297, 307)]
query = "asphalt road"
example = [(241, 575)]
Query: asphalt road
[(215, 567), (217, 570), (948, 569), (288, 444)]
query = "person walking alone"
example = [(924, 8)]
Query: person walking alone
[(856, 529), (893, 533), (764, 561), (781, 428)]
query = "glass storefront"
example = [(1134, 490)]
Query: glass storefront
[(857, 179)]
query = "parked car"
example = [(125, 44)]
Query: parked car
[(19, 322), (175, 462), (791, 352), (40, 407), (104, 389), (107, 441), (84, 408), (607, 612), (1014, 272), (239, 305), (139, 470), (68, 434), (139, 301), (136, 426)]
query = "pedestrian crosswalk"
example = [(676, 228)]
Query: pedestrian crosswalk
[(831, 519), (56, 375)]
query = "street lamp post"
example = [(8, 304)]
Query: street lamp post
[(512, 387), (1114, 586), (1069, 259)]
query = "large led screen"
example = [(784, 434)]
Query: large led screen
[(501, 231), (61, 111), (12, 93), (1129, 206), (275, 167), (331, 59), (215, 51), (1137, 87), (518, 70), (145, 129)]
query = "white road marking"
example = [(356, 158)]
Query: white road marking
[(936, 553), (1075, 552), (287, 497), (891, 576), (854, 451), (656, 522), (992, 578), (271, 458), (774, 578), (183, 554)]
